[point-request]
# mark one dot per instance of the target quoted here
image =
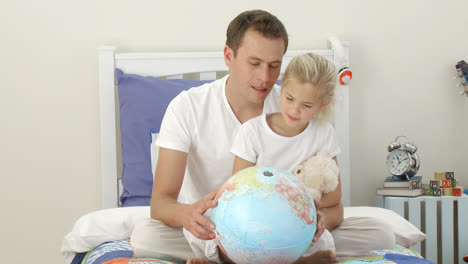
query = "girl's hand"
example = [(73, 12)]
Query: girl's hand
[(320, 222), (194, 221)]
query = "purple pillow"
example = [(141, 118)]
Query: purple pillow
[(143, 102)]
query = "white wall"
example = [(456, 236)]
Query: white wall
[(403, 55)]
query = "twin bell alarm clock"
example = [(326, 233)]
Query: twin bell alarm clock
[(402, 160)]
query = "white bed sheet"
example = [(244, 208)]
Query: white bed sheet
[(96, 228)]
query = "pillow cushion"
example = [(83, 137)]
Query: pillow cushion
[(96, 228), (142, 103), (154, 152), (406, 233)]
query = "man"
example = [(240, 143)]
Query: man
[(196, 135)]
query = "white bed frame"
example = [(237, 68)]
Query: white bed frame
[(207, 64)]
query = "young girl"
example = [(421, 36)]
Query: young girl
[(299, 131), (302, 128)]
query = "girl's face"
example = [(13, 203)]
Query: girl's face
[(299, 103)]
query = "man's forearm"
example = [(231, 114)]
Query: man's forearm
[(333, 216), (166, 210)]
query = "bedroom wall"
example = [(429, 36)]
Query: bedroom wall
[(403, 55)]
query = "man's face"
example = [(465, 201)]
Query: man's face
[(256, 67)]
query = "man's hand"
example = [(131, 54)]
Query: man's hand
[(193, 220), (320, 222)]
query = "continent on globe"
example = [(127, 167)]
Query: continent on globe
[(264, 215)]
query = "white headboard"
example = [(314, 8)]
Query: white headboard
[(207, 64)]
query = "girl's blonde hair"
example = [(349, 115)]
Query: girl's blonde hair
[(318, 71)]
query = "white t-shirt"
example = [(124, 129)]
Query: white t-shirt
[(257, 143), (201, 122)]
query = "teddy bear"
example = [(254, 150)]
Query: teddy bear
[(319, 173)]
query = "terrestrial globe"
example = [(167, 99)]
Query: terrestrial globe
[(264, 215)]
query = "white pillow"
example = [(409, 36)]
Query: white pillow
[(93, 229), (406, 234), (154, 150)]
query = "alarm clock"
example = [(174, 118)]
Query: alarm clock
[(402, 160)]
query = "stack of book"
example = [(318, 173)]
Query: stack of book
[(395, 186)]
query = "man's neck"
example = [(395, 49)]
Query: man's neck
[(242, 108)]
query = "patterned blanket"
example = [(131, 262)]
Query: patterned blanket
[(120, 252)]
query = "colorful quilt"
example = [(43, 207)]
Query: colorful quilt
[(120, 252), (398, 255), (117, 252)]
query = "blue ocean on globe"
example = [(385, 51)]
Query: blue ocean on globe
[(264, 215)]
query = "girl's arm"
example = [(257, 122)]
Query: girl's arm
[(334, 197), (240, 164), (331, 216), (331, 208)]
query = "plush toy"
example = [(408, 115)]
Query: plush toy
[(319, 173)]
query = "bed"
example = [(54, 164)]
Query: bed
[(135, 89)]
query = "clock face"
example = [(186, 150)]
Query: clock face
[(398, 162)]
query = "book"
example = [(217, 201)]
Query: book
[(405, 191), (396, 182)]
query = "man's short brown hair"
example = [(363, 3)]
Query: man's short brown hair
[(261, 21)]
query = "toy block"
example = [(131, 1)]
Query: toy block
[(457, 191), (446, 184), (415, 184), (447, 191), (449, 175), (429, 191), (439, 176), (454, 182), (434, 184), (437, 192)]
